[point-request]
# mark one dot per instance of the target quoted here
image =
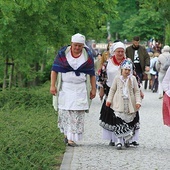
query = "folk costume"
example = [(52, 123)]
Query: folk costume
[(123, 96), (73, 89)]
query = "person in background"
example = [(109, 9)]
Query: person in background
[(97, 62), (106, 54), (148, 75), (162, 59), (153, 72), (124, 98), (139, 56), (166, 98), (73, 85), (97, 66)]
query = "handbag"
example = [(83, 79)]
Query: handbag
[(145, 76)]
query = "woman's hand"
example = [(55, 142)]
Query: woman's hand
[(53, 90), (101, 93), (93, 93)]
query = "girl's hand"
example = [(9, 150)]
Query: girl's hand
[(138, 106), (108, 104)]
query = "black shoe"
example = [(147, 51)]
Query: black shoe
[(127, 145), (111, 143), (134, 143)]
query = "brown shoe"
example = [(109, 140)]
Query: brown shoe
[(72, 144)]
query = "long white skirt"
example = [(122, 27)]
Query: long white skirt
[(108, 135), (71, 123)]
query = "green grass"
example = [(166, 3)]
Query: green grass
[(30, 139)]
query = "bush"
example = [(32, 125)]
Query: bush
[(26, 97), (29, 135)]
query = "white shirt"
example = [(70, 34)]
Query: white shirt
[(136, 57), (152, 62)]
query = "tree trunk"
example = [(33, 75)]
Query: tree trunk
[(5, 74), (11, 73)]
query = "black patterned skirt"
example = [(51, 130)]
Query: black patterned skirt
[(109, 121)]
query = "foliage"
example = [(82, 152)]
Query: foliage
[(142, 25), (33, 31), (30, 28), (29, 136), (141, 17), (25, 98), (125, 10)]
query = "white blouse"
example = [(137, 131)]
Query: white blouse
[(112, 71)]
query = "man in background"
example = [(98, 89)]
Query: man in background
[(139, 56)]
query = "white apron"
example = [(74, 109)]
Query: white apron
[(73, 93)]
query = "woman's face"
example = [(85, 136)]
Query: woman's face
[(119, 53), (77, 48)]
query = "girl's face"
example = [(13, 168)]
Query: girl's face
[(125, 72)]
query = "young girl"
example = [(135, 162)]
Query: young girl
[(124, 98)]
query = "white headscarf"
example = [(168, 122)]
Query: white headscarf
[(166, 48), (78, 38), (115, 46)]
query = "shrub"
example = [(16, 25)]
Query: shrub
[(29, 135)]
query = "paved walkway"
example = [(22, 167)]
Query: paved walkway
[(153, 153)]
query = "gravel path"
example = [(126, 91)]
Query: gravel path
[(153, 153)]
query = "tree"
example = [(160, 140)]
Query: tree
[(142, 17), (30, 29)]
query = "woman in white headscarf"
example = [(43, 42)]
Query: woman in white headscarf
[(107, 74), (73, 85)]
